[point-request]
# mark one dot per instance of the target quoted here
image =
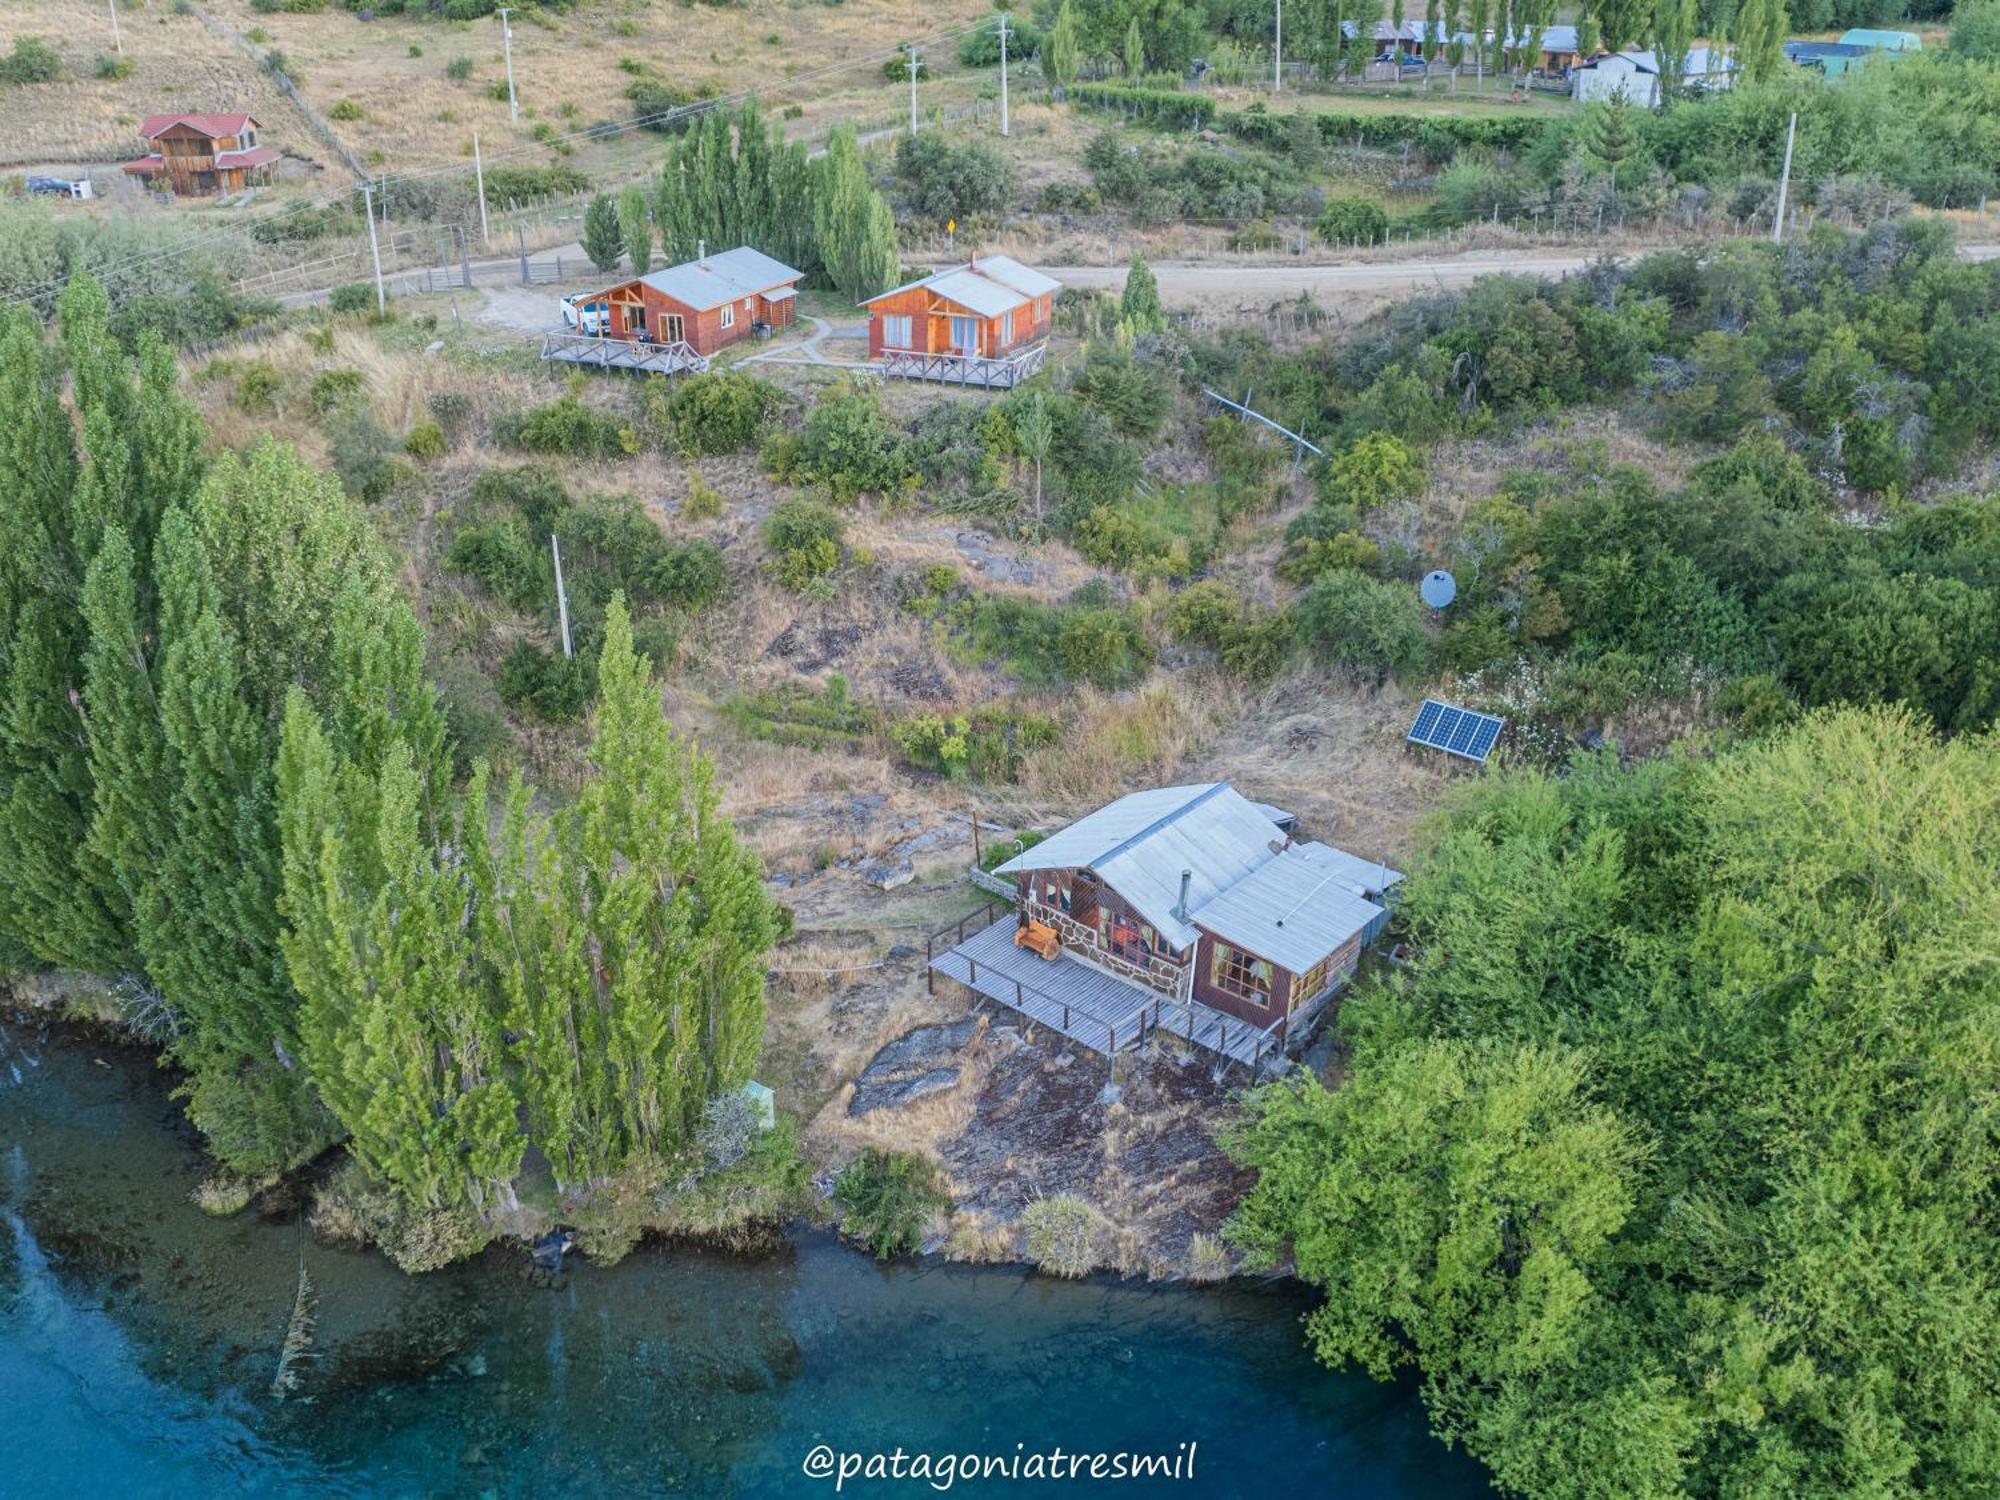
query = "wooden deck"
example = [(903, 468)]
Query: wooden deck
[(623, 354), (1103, 1012), (962, 369)]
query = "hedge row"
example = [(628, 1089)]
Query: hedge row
[(1166, 108)]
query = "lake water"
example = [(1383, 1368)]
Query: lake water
[(139, 1337)]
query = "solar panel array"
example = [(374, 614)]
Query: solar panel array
[(1456, 731)]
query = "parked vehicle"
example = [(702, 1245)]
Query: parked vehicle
[(585, 317)]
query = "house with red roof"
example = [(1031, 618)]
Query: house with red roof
[(203, 153)]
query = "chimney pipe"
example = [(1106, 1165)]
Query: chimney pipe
[(701, 249), (1180, 907)]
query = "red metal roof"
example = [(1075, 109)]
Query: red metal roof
[(209, 125), (145, 166), (256, 156)]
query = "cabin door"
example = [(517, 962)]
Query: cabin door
[(965, 336)]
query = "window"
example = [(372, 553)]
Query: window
[(1055, 892), (1241, 975), (728, 315), (1315, 979), (964, 335), (748, 303), (676, 328), (896, 331), (1128, 939), (1007, 329)]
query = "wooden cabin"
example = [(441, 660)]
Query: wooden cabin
[(212, 153), (984, 318), (707, 303), (1190, 908)]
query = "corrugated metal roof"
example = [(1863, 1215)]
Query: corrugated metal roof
[(1139, 845), (1010, 272), (1886, 41), (977, 293), (1294, 909), (710, 282)]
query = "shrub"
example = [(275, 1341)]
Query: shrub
[(804, 538), (458, 69), (723, 412), (1134, 397), (567, 428), (947, 180), (688, 575), (352, 297), (888, 1199), (1364, 624), (703, 502), (1103, 647), (1353, 221), (934, 742), (1314, 557), (361, 448), (424, 440), (32, 61), (1372, 471), (847, 448), (111, 67), (1168, 109), (259, 387), (344, 109), (1062, 1235), (507, 564), (542, 683), (531, 489)]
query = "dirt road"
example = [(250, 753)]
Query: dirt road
[(1357, 287)]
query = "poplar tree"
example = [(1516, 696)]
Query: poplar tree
[(1762, 30), (1134, 52), (857, 233), (637, 229), (603, 237), (1059, 50), (1139, 303)]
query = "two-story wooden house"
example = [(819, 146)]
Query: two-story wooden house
[(1190, 909), (209, 153)]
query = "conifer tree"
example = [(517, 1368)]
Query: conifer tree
[(1134, 51), (637, 229), (1059, 50), (1139, 303), (857, 233)]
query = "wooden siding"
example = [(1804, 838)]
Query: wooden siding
[(930, 324), (701, 329)]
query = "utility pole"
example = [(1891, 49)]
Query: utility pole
[(1278, 49), (1003, 73), (507, 40), (916, 58), (1784, 182), (562, 599), (479, 177), (116, 40), (374, 250)]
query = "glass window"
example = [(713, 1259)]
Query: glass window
[(1241, 975), (1007, 329), (728, 315), (896, 331)]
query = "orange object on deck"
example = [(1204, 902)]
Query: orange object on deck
[(1039, 936)]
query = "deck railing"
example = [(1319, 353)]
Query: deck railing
[(622, 354), (1002, 372)]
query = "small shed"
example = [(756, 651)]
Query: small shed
[(1635, 76), (707, 303), (1882, 41)]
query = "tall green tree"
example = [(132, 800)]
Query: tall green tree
[(1132, 53), (857, 233), (1761, 36), (1059, 50), (637, 228), (1139, 301), (603, 235)]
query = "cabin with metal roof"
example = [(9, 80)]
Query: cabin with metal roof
[(203, 153), (983, 323), (676, 318), (1189, 909)]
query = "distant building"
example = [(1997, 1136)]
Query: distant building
[(1188, 909), (1635, 76), (983, 323), (706, 304), (208, 153), (1882, 41), (1831, 59)]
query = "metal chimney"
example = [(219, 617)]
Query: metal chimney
[(701, 249), (1180, 906)]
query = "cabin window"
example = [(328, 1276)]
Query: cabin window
[(1055, 893), (728, 315), (896, 331), (965, 336), (1315, 978), (1133, 940), (676, 329), (1241, 975), (1007, 328)]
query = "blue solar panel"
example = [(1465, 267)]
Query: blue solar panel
[(1456, 731)]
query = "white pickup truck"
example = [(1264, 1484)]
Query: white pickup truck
[(585, 317)]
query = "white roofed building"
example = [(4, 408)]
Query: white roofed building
[(984, 323)]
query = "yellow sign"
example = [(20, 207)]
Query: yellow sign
[(951, 226)]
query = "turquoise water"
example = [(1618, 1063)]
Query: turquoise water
[(138, 1340)]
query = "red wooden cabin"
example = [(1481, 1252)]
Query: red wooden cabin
[(984, 309), (215, 153), (706, 304)]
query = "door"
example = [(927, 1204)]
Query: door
[(965, 336), (676, 329)]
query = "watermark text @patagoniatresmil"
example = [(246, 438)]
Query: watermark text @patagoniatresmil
[(940, 1471)]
